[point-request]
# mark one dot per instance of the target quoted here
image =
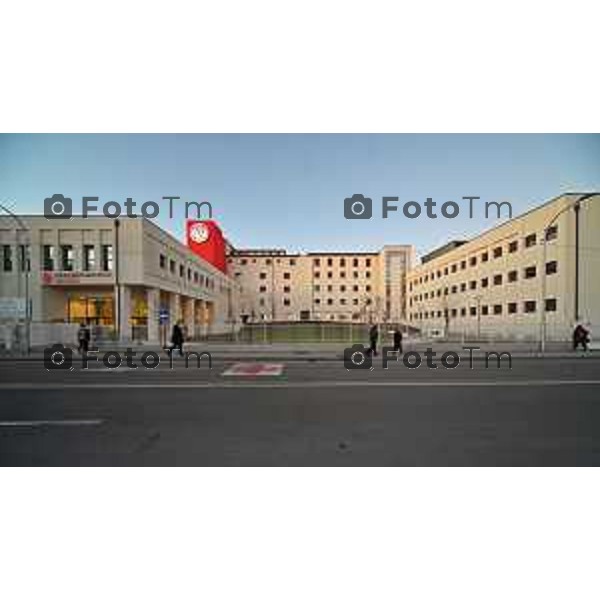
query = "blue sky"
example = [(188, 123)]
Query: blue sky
[(288, 190)]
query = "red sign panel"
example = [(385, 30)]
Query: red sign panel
[(206, 240)]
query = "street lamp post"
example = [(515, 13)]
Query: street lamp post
[(576, 208)]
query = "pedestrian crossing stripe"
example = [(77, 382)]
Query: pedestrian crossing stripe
[(253, 369)]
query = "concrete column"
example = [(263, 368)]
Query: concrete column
[(153, 301), (190, 317), (174, 308), (125, 313)]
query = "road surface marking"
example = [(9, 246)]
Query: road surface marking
[(253, 369), (61, 422), (299, 384)]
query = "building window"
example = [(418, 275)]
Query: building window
[(342, 288), (512, 276), (317, 288), (48, 258), (512, 308), (463, 287), (268, 261), (286, 275), (453, 289), (107, 257), (355, 262), (497, 309), (446, 271), (473, 311), (262, 289), (473, 285), (355, 288), (485, 257), (66, 257), (367, 288), (317, 300), (172, 266), (329, 301), (551, 267), (286, 289), (498, 252), (292, 262), (453, 268), (453, 312), (530, 272), (484, 310), (330, 262), (317, 274), (550, 304), (342, 262), (162, 260), (181, 270), (530, 240), (484, 282), (7, 259), (316, 262), (262, 276), (343, 274), (513, 246), (473, 261), (551, 233), (189, 274), (498, 279), (463, 264), (89, 258), (463, 312), (529, 306), (329, 274), (368, 274), (196, 276), (368, 262), (286, 301)]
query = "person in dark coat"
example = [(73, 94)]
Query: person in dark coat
[(398, 340), (373, 337), (83, 337), (580, 336), (177, 338)]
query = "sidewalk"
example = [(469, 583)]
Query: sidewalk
[(335, 351)]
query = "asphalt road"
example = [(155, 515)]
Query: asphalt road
[(540, 412)]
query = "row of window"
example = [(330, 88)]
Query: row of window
[(268, 261), (342, 262), (511, 277), (329, 301), (64, 260), (198, 278), (317, 288), (497, 252), (24, 259), (528, 306)]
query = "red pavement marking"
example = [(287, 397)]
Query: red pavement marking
[(254, 369)]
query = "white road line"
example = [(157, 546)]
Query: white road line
[(300, 384), (61, 422)]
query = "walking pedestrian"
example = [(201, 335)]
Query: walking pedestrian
[(83, 337), (373, 337), (177, 338), (581, 337), (398, 340)]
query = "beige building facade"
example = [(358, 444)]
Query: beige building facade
[(328, 286), (535, 275), (128, 277)]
